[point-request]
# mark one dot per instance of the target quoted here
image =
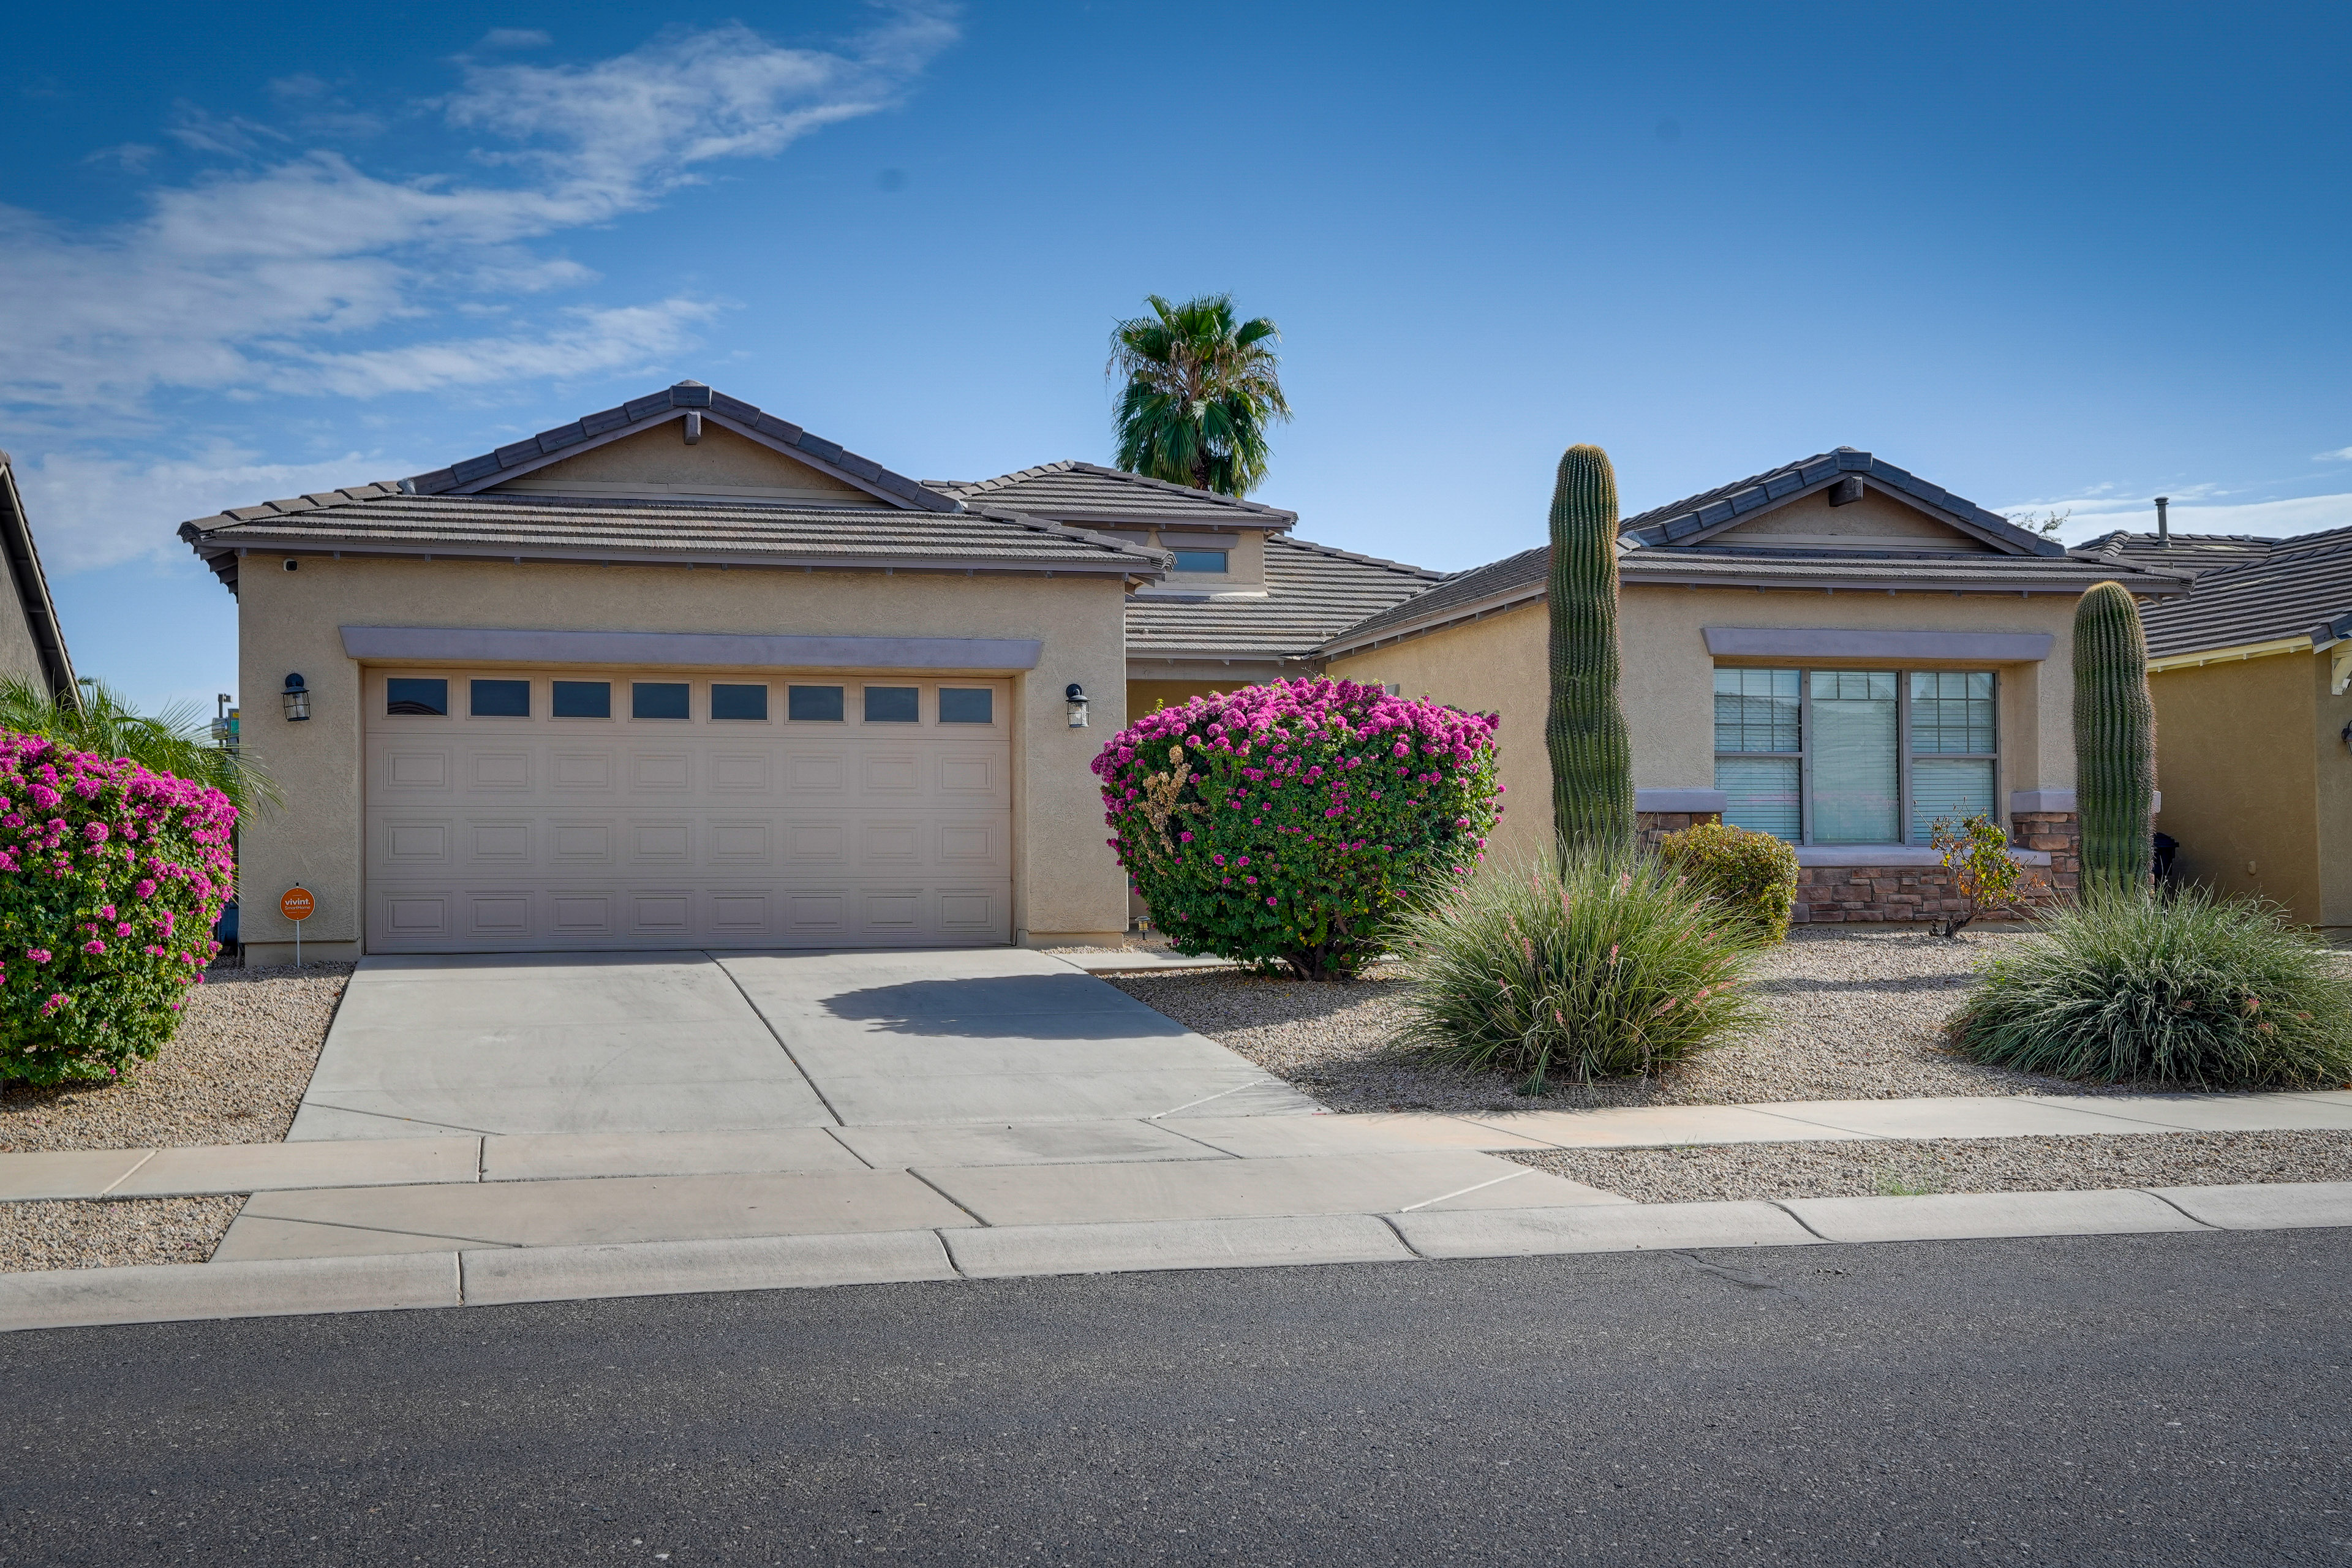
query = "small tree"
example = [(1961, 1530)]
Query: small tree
[(1287, 823), (1590, 748), (1201, 388), (1985, 871)]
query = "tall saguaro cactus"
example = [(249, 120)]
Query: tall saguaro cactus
[(2114, 740), (1592, 753)]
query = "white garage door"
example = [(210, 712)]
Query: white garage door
[(553, 809)]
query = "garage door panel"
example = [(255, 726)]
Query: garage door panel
[(537, 834), (582, 841)]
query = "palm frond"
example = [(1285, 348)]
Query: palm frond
[(174, 740), (1200, 389)]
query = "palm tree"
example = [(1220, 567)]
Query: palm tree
[(1200, 391), (176, 740)]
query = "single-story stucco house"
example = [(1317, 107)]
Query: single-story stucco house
[(32, 643), (1836, 652), (2252, 675)]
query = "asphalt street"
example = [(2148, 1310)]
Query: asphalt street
[(2150, 1399)]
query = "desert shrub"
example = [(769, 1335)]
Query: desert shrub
[(110, 879), (1986, 872), (2184, 990), (1287, 823), (1612, 969), (1753, 875)]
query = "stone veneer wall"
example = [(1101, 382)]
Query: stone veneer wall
[(1828, 894)]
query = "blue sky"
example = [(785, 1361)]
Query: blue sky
[(2053, 257)]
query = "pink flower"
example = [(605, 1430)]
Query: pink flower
[(93, 945), (37, 954), (57, 1000), (146, 887), (96, 832)]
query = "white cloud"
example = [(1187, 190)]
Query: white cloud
[(2341, 454), (292, 268), (514, 38), (266, 269), (89, 510), (2194, 509)]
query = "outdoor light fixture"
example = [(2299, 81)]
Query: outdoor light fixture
[(1076, 697), (297, 699)]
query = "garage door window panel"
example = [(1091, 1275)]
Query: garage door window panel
[(660, 699), (582, 700), (417, 697), (967, 705), (813, 705), (733, 703), (497, 700), (894, 705)]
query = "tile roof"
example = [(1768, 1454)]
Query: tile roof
[(380, 519), (1519, 579), (2295, 589), (1073, 491), (671, 401), (1312, 591), (2195, 553), (1726, 505)]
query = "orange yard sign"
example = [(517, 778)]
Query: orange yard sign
[(296, 904)]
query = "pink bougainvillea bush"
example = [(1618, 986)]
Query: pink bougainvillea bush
[(110, 879), (1289, 823)]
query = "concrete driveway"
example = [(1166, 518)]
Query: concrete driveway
[(689, 1042)]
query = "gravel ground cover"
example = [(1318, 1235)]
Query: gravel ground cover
[(1893, 1166), (82, 1234), (1856, 1015), (233, 1073)]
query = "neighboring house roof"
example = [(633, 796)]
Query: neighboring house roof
[(1073, 491), (2298, 589), (32, 583), (1694, 518), (1684, 543), (1311, 592), (517, 459), (380, 519), (2195, 553)]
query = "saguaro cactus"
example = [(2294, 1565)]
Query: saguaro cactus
[(1592, 753), (2114, 740)]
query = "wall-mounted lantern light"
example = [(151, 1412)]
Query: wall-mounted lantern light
[(1076, 697), (297, 699)]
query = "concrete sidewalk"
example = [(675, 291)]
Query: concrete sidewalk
[(460, 1275)]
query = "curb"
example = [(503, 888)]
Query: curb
[(158, 1293)]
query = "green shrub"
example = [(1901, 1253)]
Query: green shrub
[(2180, 991), (1600, 970), (1287, 823), (110, 879), (1754, 875)]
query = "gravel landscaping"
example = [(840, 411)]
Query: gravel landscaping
[(1893, 1166), (1856, 1016), (233, 1073), (107, 1233)]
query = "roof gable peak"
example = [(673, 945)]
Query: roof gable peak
[(1695, 519), (692, 402)]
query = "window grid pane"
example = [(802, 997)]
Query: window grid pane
[(1952, 710), (1756, 710), (1857, 776)]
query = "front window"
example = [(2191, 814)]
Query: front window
[(1200, 560), (1854, 756)]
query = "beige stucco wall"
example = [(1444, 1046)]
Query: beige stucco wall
[(1498, 664), (1857, 525), (660, 457), (2333, 788), (2234, 754), (19, 655), (1065, 879)]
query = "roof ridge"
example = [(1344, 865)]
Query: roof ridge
[(1712, 510), (1145, 481), (689, 395)]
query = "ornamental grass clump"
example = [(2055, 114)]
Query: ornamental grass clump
[(1287, 824), (1604, 969), (2179, 991), (111, 876)]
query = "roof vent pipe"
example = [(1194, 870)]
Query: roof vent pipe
[(2163, 528)]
